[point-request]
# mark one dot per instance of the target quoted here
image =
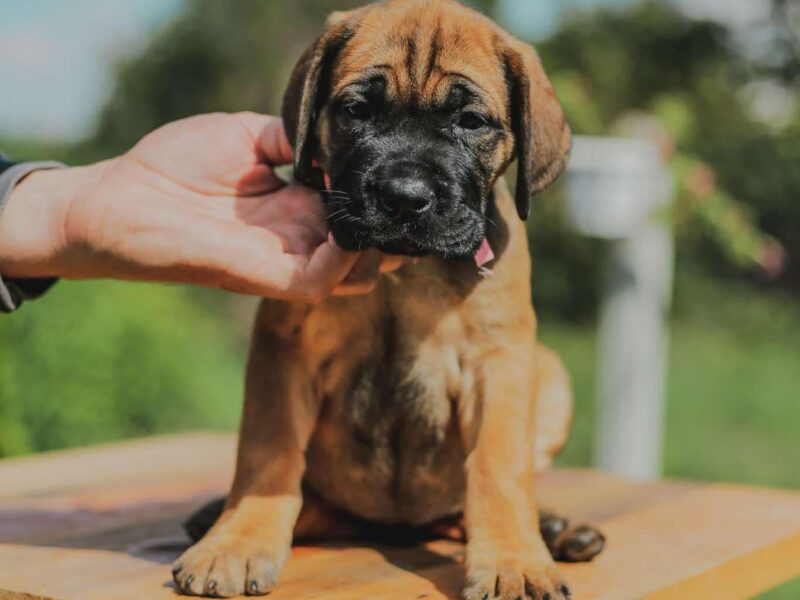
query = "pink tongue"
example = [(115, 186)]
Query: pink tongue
[(484, 253)]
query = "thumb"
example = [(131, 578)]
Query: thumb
[(319, 276)]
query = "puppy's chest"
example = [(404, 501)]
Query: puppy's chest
[(402, 398), (388, 434)]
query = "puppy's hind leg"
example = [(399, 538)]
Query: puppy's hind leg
[(566, 543), (552, 395)]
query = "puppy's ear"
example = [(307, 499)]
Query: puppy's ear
[(308, 89), (541, 134)]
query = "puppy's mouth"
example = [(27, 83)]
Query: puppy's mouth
[(435, 237)]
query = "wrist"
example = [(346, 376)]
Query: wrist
[(32, 232)]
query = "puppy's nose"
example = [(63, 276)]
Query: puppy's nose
[(405, 196)]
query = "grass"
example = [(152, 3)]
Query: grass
[(99, 361), (732, 389)]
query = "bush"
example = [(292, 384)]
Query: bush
[(93, 362)]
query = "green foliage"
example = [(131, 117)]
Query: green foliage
[(788, 591), (100, 361), (566, 268), (630, 56), (760, 166), (216, 56), (651, 58), (34, 149)]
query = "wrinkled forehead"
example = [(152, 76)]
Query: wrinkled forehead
[(425, 56)]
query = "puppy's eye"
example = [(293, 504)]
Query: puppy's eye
[(359, 111), (472, 120)]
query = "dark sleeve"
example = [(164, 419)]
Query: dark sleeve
[(14, 291)]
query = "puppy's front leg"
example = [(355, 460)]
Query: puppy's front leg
[(506, 555), (245, 550)]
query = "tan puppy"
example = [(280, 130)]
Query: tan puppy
[(428, 397)]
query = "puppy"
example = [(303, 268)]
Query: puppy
[(428, 397)]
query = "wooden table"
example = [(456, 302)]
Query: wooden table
[(104, 524)]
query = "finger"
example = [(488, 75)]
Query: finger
[(391, 262), (262, 179), (327, 269), (270, 137), (363, 277)]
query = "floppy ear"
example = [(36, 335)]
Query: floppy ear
[(542, 136), (307, 92)]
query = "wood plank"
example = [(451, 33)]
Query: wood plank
[(152, 459), (68, 574), (720, 542), (565, 492), (7, 595), (666, 540), (689, 544)]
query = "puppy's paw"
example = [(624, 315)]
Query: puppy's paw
[(223, 565), (517, 578), (570, 544)]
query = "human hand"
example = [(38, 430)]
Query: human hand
[(196, 201)]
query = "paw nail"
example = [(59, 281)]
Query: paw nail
[(253, 585), (547, 597), (176, 569), (566, 591), (211, 586), (188, 581)]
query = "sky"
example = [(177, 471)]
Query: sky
[(57, 57)]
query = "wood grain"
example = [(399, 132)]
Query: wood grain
[(104, 523)]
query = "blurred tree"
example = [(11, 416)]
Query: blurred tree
[(608, 63), (226, 56), (784, 60), (100, 361)]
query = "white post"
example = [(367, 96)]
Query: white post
[(614, 187), (632, 353)]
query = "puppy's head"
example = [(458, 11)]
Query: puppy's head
[(412, 109)]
